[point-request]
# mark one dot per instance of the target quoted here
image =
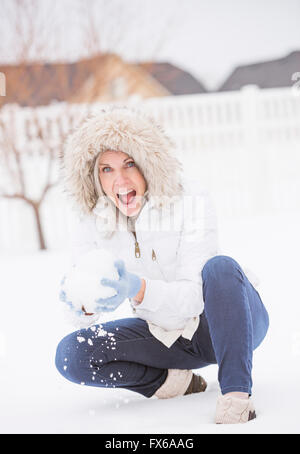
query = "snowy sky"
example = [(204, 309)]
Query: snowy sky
[(207, 37)]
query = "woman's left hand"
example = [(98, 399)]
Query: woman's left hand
[(127, 286)]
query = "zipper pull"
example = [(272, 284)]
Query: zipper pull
[(153, 255), (137, 250)]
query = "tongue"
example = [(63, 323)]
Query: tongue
[(128, 197)]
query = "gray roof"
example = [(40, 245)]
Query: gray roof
[(268, 74), (174, 79)]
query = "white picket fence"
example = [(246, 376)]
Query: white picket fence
[(243, 146)]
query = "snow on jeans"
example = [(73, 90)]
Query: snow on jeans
[(233, 324)]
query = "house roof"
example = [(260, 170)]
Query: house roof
[(114, 80), (41, 83), (174, 79), (267, 74)]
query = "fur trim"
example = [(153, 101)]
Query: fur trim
[(120, 129)]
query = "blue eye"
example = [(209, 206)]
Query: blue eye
[(131, 162), (104, 169)]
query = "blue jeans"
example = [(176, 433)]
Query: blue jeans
[(233, 324)]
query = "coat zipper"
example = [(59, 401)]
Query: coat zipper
[(138, 254), (137, 250)]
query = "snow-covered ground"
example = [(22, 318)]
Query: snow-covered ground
[(36, 399)]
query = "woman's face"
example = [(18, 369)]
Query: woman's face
[(122, 181)]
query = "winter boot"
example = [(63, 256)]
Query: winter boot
[(180, 382), (197, 385), (233, 410)]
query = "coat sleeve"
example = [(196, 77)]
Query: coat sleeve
[(183, 297), (82, 240), (82, 237)]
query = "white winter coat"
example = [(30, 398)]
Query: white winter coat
[(173, 297)]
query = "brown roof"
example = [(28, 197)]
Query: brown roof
[(116, 80), (91, 80), (40, 84)]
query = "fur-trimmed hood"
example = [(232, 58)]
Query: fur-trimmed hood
[(120, 129)]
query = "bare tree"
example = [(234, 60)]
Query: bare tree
[(38, 135), (22, 141), (119, 26), (25, 30), (14, 158), (25, 136)]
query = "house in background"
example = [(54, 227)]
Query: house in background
[(104, 78), (108, 78), (116, 80), (268, 74), (39, 84)]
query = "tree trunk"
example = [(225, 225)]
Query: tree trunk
[(36, 209)]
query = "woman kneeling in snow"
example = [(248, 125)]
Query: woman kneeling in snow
[(191, 306)]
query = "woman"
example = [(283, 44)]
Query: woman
[(191, 306)]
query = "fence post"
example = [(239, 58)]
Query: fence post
[(256, 179), (249, 101)]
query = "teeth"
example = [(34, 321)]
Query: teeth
[(124, 193)]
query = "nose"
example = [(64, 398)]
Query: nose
[(121, 180)]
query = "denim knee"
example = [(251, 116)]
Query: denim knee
[(67, 356), (221, 266)]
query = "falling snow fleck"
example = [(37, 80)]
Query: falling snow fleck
[(101, 332)]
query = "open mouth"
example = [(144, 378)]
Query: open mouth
[(127, 198)]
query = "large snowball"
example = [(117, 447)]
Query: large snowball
[(83, 282)]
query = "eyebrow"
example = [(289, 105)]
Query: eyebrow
[(101, 164)]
